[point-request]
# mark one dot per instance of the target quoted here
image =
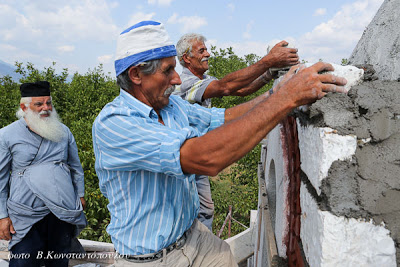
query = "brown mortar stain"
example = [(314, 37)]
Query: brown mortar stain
[(291, 143), (368, 186)]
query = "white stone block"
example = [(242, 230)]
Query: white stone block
[(319, 148), (352, 74), (329, 240)]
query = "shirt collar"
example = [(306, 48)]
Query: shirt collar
[(141, 107), (135, 104), (186, 71)]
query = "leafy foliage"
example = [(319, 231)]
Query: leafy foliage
[(78, 102), (238, 188)]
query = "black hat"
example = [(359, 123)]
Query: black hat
[(41, 88)]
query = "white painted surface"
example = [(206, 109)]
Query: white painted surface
[(242, 244), (352, 74), (90, 245), (275, 155), (329, 240), (319, 148)]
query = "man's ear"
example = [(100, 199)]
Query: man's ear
[(186, 58), (135, 75), (23, 107)]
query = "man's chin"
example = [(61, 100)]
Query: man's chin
[(47, 126)]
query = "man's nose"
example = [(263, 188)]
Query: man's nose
[(176, 80), (47, 106)]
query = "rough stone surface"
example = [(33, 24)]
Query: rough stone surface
[(380, 42), (368, 186), (375, 109), (342, 192)]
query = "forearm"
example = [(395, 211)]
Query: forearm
[(239, 110), (254, 86), (221, 147), (238, 80), (279, 56)]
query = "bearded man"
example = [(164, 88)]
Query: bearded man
[(41, 183)]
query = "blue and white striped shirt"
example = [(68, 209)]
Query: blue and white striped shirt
[(152, 202)]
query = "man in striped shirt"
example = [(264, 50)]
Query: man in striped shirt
[(198, 87), (149, 145)]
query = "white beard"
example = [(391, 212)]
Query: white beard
[(47, 127)]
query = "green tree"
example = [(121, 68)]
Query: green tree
[(9, 99)]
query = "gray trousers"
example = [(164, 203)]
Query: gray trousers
[(206, 212), (202, 248)]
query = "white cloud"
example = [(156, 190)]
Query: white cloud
[(37, 21), (114, 4), (160, 2), (187, 23), (231, 7), (8, 48), (105, 59), (72, 68), (140, 16), (66, 48), (35, 28), (249, 47), (320, 12), (336, 38), (331, 41), (249, 27)]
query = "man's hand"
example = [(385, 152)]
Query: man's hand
[(306, 85), (83, 201), (6, 229), (293, 70), (281, 56)]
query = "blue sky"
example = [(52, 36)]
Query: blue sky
[(81, 34)]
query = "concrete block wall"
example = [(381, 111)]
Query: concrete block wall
[(328, 239), (350, 152)]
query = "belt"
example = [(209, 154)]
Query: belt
[(158, 255)]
